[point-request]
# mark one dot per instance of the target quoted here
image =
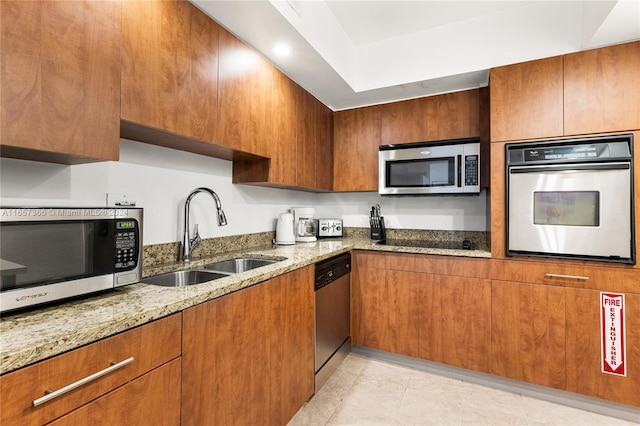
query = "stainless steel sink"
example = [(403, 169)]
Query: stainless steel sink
[(242, 264), (183, 278)]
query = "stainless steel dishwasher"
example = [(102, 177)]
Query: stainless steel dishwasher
[(332, 303)]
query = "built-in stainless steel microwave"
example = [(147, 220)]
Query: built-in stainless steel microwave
[(442, 167), (49, 254)]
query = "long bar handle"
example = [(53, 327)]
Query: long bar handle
[(572, 277), (54, 394)]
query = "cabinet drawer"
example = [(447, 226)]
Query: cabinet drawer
[(150, 346), (429, 264), (153, 399), (567, 275)]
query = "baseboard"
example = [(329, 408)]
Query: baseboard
[(570, 399)]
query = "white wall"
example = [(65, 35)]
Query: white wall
[(160, 179)]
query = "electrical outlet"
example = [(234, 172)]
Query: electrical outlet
[(117, 199)]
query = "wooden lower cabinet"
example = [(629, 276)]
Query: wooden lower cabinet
[(436, 317), (584, 351), (153, 399), (457, 329), (248, 356), (134, 394), (385, 310), (528, 333)]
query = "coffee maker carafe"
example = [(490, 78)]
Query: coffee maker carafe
[(304, 225)]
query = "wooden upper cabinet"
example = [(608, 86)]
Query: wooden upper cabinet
[(170, 68), (408, 121), (324, 147), (306, 140), (60, 80), (527, 100), (356, 142), (602, 90), (458, 115), (282, 167), (245, 97), (299, 145), (447, 116)]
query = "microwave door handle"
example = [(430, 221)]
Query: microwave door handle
[(459, 169)]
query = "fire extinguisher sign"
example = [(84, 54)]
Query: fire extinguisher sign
[(612, 332)]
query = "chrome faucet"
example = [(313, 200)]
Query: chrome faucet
[(189, 243)]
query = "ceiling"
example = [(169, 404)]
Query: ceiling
[(355, 53)]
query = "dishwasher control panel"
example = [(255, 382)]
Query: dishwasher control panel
[(331, 269)]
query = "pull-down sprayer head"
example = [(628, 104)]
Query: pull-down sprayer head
[(189, 243)]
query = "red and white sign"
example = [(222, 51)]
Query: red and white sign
[(612, 332)]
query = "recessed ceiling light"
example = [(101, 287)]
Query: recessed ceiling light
[(282, 49)]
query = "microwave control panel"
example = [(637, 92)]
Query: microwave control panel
[(126, 244), (471, 170)]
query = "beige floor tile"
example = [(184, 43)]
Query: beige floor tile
[(366, 391)]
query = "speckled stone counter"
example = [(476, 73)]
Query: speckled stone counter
[(34, 335)]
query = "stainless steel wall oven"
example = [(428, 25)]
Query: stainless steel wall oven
[(572, 198)]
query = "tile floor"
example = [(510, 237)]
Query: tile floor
[(366, 391)]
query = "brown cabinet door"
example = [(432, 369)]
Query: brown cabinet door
[(528, 333), (245, 97), (60, 80), (306, 140), (356, 142), (602, 90), (284, 150), (324, 147), (455, 321), (584, 349), (385, 310), (170, 68), (527, 100), (149, 345), (441, 318), (447, 116), (153, 399), (409, 121), (458, 115), (248, 357)]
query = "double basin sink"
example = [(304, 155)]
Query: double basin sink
[(209, 272)]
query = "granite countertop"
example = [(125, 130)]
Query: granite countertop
[(34, 335)]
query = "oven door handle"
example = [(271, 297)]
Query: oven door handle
[(573, 167)]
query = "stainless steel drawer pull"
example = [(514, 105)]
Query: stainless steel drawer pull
[(572, 277), (54, 394)]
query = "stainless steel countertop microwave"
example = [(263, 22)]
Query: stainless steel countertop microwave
[(51, 253), (440, 167)]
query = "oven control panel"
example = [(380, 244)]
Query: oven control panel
[(569, 151)]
